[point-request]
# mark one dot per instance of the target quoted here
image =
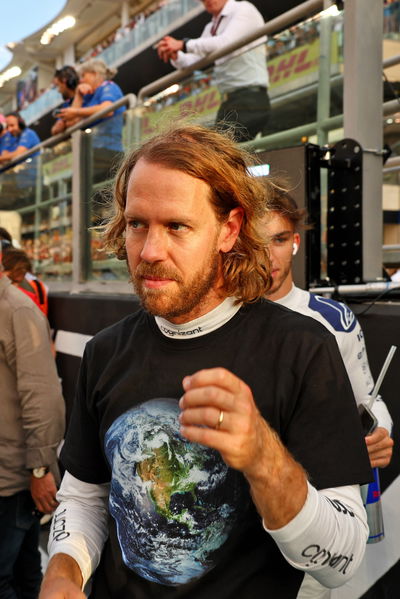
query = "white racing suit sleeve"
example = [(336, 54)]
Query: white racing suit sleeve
[(381, 412), (354, 354), (328, 536), (79, 526)]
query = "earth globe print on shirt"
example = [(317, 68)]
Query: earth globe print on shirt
[(174, 502)]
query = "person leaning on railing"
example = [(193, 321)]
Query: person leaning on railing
[(66, 81), (241, 77), (20, 138), (95, 92)]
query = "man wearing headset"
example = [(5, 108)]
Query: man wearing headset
[(21, 138), (66, 80), (281, 226)]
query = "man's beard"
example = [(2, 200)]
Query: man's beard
[(185, 296)]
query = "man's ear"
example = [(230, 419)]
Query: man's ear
[(296, 243), (230, 229)]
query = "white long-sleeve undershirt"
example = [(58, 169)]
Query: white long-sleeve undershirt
[(79, 525), (327, 538)]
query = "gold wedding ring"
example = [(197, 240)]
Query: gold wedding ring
[(220, 419)]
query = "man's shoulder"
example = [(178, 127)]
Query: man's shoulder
[(119, 331), (29, 137), (17, 307), (287, 321), (14, 298), (9, 142), (242, 7), (338, 315)]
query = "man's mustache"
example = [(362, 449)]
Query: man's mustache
[(156, 270)]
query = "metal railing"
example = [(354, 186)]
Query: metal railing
[(358, 290)]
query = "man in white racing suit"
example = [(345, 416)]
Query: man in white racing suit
[(282, 224)]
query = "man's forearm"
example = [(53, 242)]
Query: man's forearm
[(5, 157), (86, 111), (62, 572), (58, 127), (328, 537), (278, 486)]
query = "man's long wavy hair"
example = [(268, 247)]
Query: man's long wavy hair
[(214, 158)]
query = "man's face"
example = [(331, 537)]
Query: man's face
[(12, 125), (62, 88), (173, 242), (214, 7), (281, 236)]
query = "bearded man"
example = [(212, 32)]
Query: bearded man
[(194, 466)]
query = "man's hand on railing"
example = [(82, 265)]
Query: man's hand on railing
[(5, 157), (168, 47), (69, 116)]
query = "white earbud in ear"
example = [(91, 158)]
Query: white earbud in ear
[(295, 248)]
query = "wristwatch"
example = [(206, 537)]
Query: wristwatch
[(39, 472), (184, 42)]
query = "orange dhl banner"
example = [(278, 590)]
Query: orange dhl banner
[(298, 62)]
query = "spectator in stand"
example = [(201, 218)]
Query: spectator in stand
[(21, 138), (241, 77), (31, 428), (66, 80), (18, 185), (95, 92)]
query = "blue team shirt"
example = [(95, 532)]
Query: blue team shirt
[(25, 178), (28, 138), (108, 132), (4, 141)]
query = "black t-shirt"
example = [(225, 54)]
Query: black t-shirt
[(182, 523)]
